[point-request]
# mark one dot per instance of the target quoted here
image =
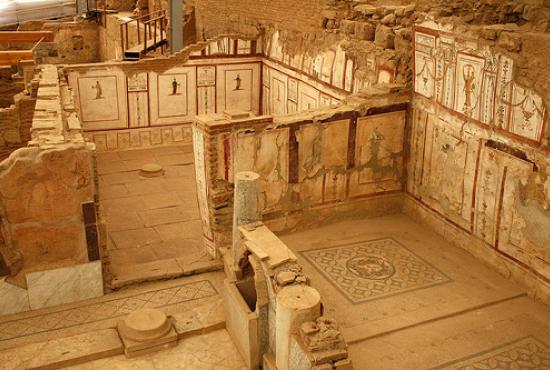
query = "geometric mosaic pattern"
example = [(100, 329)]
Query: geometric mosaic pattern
[(106, 309), (526, 353), (374, 269)]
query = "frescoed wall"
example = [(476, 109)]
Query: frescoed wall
[(348, 162), (125, 108), (472, 82), (101, 99), (479, 156)]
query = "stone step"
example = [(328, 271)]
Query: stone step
[(160, 270)]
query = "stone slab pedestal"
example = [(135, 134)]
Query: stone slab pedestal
[(145, 331)]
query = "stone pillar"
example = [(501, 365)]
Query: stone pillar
[(245, 207), (296, 304), (175, 14)]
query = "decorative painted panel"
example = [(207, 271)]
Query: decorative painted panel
[(378, 154), (474, 83)]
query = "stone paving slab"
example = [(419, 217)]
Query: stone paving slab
[(211, 351), (161, 269), (144, 215), (510, 335), (61, 352)]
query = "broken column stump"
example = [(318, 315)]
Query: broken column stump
[(296, 304), (245, 208)]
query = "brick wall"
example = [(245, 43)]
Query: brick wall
[(304, 15)]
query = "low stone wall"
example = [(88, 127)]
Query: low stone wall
[(47, 208)]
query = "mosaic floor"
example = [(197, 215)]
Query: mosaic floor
[(106, 309), (407, 299), (374, 269), (525, 353)]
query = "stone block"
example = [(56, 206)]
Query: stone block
[(365, 31), (343, 365), (384, 37), (199, 320), (348, 27), (322, 367), (65, 285), (77, 349), (389, 19), (242, 324), (277, 251), (509, 41)]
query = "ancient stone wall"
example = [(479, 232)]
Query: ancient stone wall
[(480, 108), (216, 17), (74, 41), (9, 87), (120, 5), (16, 121), (314, 167), (47, 193), (377, 34), (153, 102), (476, 125)]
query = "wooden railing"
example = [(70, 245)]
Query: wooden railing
[(12, 57), (150, 30)]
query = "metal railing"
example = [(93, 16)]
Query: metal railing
[(153, 26)]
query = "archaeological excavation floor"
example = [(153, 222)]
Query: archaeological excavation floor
[(406, 299), (24, 337), (153, 223)]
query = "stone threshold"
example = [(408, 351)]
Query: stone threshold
[(98, 344), (160, 270)]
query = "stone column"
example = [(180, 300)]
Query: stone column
[(175, 14), (296, 304), (245, 207)]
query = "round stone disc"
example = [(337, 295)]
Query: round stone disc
[(146, 324), (151, 170)]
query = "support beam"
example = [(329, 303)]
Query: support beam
[(175, 16), (13, 57), (26, 36)]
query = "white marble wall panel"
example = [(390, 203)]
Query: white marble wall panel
[(64, 285), (12, 298)]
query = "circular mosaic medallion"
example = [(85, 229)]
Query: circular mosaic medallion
[(370, 267)]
